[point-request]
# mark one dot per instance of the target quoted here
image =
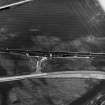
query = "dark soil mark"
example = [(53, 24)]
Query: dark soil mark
[(90, 94)]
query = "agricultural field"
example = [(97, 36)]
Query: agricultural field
[(51, 25)]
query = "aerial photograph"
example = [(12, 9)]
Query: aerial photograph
[(52, 52)]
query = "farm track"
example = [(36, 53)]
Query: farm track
[(64, 74)]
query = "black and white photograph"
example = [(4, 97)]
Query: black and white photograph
[(52, 52)]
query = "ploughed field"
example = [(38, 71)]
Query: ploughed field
[(74, 27), (42, 91)]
